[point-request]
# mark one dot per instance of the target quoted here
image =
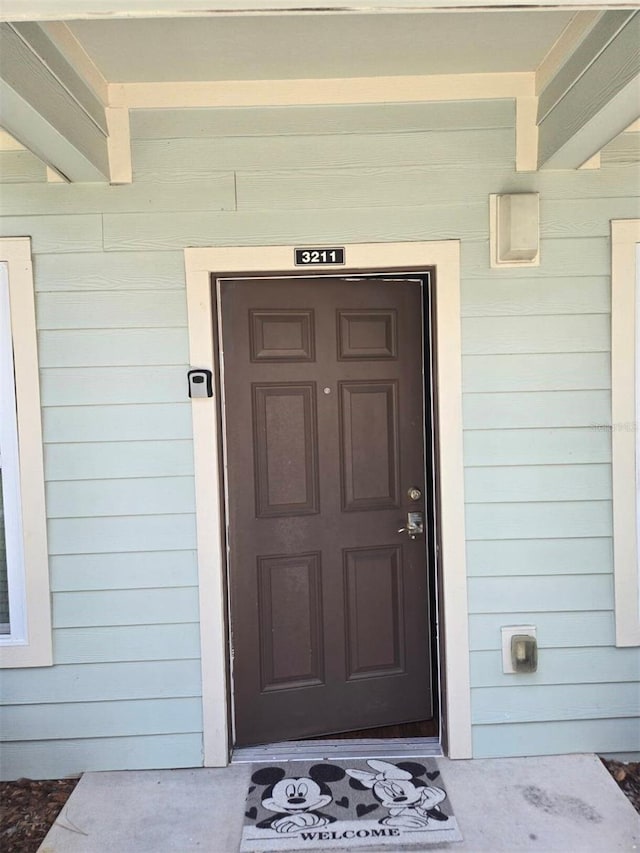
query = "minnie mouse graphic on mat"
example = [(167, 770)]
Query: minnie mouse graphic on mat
[(412, 802), (296, 800)]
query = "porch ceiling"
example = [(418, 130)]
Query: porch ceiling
[(67, 88), (282, 47)]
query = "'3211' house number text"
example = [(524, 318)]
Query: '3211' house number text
[(318, 257)]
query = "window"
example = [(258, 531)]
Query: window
[(25, 610), (625, 435)]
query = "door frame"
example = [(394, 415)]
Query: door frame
[(444, 258)]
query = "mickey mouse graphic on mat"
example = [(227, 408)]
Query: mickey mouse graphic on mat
[(412, 802), (296, 801)]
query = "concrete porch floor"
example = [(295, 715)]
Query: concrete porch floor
[(564, 803)]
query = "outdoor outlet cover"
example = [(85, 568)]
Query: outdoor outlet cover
[(524, 653), (519, 649)]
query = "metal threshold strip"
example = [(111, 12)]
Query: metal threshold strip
[(312, 750)]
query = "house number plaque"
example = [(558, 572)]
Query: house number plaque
[(318, 257)]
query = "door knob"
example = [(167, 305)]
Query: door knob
[(414, 526)]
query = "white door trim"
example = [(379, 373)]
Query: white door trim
[(625, 464), (445, 257)]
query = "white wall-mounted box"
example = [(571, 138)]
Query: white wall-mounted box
[(514, 230)]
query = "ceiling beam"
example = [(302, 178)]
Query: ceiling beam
[(61, 10), (77, 57), (36, 38), (594, 96), (41, 111), (566, 44)]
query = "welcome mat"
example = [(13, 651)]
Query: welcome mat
[(352, 803)]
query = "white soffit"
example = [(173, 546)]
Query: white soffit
[(318, 46)]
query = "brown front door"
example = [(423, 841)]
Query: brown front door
[(324, 423)]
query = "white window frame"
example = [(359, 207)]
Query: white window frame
[(625, 432), (30, 640)]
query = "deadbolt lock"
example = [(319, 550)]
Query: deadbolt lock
[(414, 526), (414, 493)]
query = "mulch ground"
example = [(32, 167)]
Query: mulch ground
[(628, 778), (29, 807)]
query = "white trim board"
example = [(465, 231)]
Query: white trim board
[(36, 10), (445, 257), (15, 630), (625, 340), (322, 91), (34, 646)]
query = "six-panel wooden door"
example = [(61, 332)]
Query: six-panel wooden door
[(324, 424)]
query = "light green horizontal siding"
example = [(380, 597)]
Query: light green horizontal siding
[(626, 755), (112, 385), (103, 535), (560, 629), (217, 192), (53, 759), (358, 187), (538, 520), (570, 257), (132, 570), (161, 231), (118, 459), (125, 607), (625, 148), (104, 644), (588, 333), (521, 409), (113, 346), (20, 167), (140, 496), (154, 421), (58, 234), (528, 483), (154, 159), (590, 444), (590, 218), (548, 738), (494, 295), (596, 665), (544, 594), (101, 719), (536, 557), (550, 703), (536, 372), (117, 271), (171, 605), (117, 310), (100, 682), (351, 118)]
